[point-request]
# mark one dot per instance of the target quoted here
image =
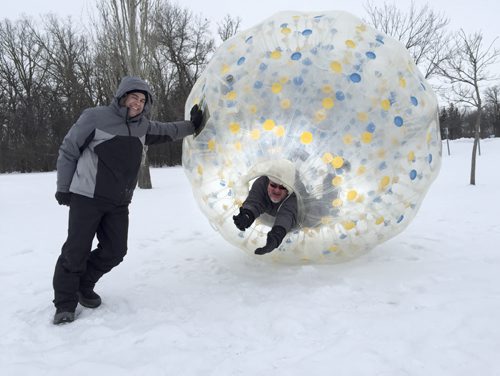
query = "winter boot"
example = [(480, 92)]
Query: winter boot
[(63, 317), (88, 298)]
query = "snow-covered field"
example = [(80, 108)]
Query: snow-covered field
[(185, 302)]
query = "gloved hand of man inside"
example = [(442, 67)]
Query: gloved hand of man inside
[(196, 118), (244, 219), (274, 239), (63, 198)]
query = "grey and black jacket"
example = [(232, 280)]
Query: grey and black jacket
[(101, 155), (258, 202)]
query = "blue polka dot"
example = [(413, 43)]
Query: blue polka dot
[(296, 56), (380, 39), (297, 81), (429, 158), (262, 67), (340, 95), (371, 128), (371, 55), (241, 60), (398, 121), (413, 174), (307, 61), (414, 101), (355, 77), (400, 219), (307, 32), (382, 166), (283, 25), (258, 84)]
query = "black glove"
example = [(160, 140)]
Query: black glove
[(274, 239), (63, 198), (196, 118), (244, 219)]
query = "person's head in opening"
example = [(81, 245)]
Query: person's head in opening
[(276, 191)]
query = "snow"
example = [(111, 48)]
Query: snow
[(185, 302)]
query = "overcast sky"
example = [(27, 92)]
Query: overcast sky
[(472, 16)]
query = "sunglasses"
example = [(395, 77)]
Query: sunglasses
[(275, 185)]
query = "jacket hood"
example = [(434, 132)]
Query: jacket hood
[(133, 83), (281, 171)]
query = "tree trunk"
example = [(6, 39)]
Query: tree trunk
[(144, 175), (474, 150)]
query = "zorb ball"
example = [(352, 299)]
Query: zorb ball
[(335, 108)]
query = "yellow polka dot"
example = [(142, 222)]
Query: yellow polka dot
[(360, 199), (255, 134), (252, 108), (351, 195), (306, 138), (362, 116), (348, 225), (411, 156), (231, 95), (285, 103), (366, 137), (336, 66), (402, 82), (386, 104), (350, 43), (275, 54), (337, 162), (237, 146), (337, 181), (276, 88), (327, 158), (284, 80), (199, 169), (211, 145), (286, 30), (225, 68), (361, 170), (337, 203), (327, 103), (361, 28), (327, 89), (279, 131), (319, 116), (234, 127), (347, 139), (384, 182), (269, 124), (379, 220)]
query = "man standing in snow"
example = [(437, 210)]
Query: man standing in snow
[(97, 171)]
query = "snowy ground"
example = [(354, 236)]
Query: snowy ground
[(185, 302)]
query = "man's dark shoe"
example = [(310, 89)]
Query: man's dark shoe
[(88, 298), (63, 317)]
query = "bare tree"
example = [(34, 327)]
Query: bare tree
[(493, 100), (467, 70), (228, 27), (125, 33), (422, 31)]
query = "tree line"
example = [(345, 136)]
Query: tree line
[(53, 68)]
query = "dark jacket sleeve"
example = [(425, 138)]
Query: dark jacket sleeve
[(164, 132), (72, 147)]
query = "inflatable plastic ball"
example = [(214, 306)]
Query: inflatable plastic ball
[(332, 108)]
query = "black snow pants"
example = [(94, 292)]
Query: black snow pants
[(78, 267)]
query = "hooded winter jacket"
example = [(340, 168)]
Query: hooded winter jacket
[(258, 202), (101, 155)]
